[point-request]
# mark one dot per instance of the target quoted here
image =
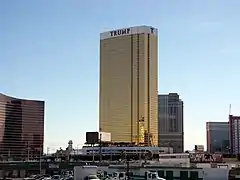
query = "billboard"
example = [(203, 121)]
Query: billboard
[(105, 136), (92, 137), (205, 158), (199, 148)]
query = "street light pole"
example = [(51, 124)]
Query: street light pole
[(128, 173), (28, 149)]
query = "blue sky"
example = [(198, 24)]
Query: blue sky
[(50, 50)]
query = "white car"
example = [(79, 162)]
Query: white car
[(56, 177), (47, 178), (32, 177)]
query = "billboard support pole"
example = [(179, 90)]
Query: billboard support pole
[(100, 148), (93, 153)]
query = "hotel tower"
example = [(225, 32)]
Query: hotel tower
[(128, 104)]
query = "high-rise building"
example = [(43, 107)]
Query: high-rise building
[(234, 134), (170, 122), (217, 137), (128, 84), (21, 127)]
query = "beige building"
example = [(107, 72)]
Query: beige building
[(128, 85)]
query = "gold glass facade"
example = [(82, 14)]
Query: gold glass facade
[(128, 85)]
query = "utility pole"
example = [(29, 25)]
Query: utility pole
[(9, 152), (169, 146), (40, 162)]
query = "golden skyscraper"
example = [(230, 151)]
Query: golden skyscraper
[(128, 104)]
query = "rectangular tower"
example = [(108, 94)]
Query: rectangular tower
[(21, 127), (234, 134), (128, 84), (170, 124), (217, 134)]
